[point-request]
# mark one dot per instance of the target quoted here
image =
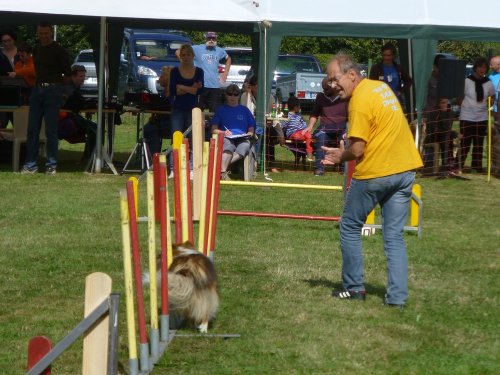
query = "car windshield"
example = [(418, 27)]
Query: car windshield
[(240, 57), (159, 50), (291, 64), (85, 57)]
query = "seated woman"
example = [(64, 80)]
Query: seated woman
[(237, 124)]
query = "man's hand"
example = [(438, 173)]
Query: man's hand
[(332, 155)]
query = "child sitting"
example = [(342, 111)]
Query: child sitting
[(295, 128)]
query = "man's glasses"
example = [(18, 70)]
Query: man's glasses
[(211, 38), (6, 40), (336, 80), (232, 94)]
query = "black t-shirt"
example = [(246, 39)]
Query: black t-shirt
[(51, 63)]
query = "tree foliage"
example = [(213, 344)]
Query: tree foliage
[(72, 37), (469, 51), (75, 38)]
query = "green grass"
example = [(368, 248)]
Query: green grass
[(275, 278)]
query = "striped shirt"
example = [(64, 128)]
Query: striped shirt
[(295, 123)]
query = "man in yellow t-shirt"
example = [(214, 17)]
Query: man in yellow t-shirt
[(381, 142)]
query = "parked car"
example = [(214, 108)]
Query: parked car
[(241, 61), (86, 58), (144, 52)]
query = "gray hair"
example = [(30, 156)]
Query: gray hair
[(345, 63)]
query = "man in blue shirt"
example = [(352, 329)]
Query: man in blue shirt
[(495, 79), (207, 57), (391, 73)]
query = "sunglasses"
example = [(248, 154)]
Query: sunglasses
[(233, 94), (211, 38)]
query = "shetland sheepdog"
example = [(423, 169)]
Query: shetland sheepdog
[(192, 286)]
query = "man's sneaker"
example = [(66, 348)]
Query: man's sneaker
[(50, 171), (31, 170), (224, 176), (310, 157), (171, 175), (349, 294), (319, 173)]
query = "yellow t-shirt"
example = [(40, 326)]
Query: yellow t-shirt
[(375, 116)]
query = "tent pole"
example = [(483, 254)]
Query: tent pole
[(100, 101)]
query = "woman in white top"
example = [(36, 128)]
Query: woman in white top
[(474, 113)]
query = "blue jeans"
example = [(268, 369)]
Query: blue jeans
[(393, 194), (44, 102), (328, 139)]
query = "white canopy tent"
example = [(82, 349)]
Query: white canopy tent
[(423, 22)]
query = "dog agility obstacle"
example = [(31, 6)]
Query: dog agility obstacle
[(158, 203), (100, 326)]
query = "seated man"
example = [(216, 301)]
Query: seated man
[(237, 124), (158, 126), (71, 125)]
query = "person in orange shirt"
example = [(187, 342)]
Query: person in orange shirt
[(25, 68)]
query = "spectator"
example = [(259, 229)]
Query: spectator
[(25, 68), (8, 55), (8, 59), (438, 131), (51, 65), (495, 80), (249, 100), (333, 113), (71, 125), (237, 123), (381, 142), (432, 87), (391, 73), (296, 128), (474, 114), (158, 126), (207, 57)]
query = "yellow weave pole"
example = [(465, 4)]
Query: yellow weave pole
[(203, 200), (414, 208), (129, 291), (198, 135), (153, 295), (281, 185), (177, 140), (135, 185), (184, 193), (163, 160), (370, 219)]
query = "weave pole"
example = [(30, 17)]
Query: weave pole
[(165, 243), (185, 194), (208, 198), (177, 198), (203, 202), (177, 141), (128, 283), (134, 236), (153, 293), (197, 136), (216, 189)]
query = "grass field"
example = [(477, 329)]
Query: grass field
[(275, 278)]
